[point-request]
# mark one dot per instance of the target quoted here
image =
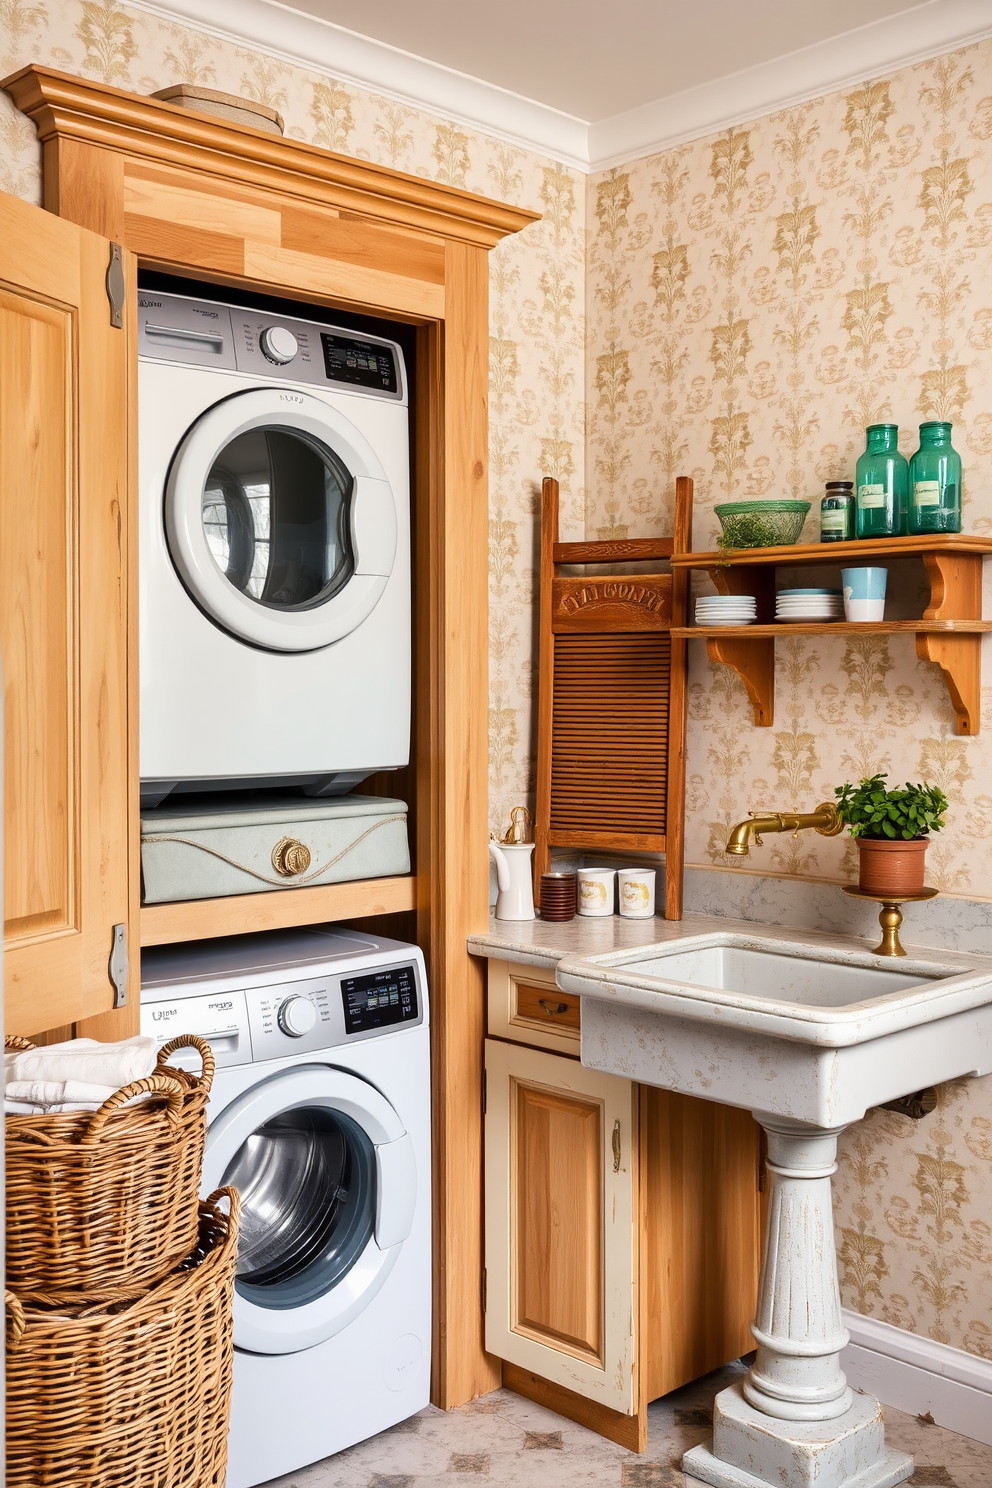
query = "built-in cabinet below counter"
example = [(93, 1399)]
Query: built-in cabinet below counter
[(622, 1222)]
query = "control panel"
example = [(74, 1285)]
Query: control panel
[(230, 338), (303, 1016)]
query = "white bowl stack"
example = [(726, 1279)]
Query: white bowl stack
[(726, 609), (810, 605)]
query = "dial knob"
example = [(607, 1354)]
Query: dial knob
[(297, 1016), (279, 345)]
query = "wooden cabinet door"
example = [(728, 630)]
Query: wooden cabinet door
[(64, 579), (560, 1230)]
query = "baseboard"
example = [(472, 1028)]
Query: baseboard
[(627, 1431), (920, 1376)]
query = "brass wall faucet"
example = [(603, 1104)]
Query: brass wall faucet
[(824, 820)]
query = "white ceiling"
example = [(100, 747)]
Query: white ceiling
[(596, 58), (594, 83)]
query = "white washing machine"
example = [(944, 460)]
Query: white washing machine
[(320, 1116), (274, 550)]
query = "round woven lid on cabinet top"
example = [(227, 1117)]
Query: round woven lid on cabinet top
[(223, 106)]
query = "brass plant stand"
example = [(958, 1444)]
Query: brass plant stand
[(890, 917)]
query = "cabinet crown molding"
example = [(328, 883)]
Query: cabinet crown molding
[(62, 106)]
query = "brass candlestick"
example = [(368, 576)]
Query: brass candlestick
[(890, 917)]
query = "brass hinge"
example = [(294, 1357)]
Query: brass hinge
[(116, 287), (118, 967), (485, 1290)]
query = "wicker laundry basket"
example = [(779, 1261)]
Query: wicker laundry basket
[(101, 1204), (137, 1393)]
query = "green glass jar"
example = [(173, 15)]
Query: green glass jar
[(837, 512), (935, 482), (882, 481)]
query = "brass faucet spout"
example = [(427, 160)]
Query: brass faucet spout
[(824, 820)]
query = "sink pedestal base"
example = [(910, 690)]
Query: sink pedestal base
[(753, 1450), (793, 1422)]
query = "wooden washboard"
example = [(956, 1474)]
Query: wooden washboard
[(612, 698)]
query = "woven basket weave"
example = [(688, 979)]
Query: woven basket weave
[(136, 1395), (101, 1204)]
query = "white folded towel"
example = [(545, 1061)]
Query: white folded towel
[(83, 1060), (57, 1092), (26, 1108)]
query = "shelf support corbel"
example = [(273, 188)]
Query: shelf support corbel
[(754, 662), (959, 658)]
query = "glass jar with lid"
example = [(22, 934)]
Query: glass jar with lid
[(882, 481), (838, 512), (935, 482)]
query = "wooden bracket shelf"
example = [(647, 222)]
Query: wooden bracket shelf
[(203, 919), (948, 633)]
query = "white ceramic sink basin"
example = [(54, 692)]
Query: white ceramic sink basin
[(816, 1033)]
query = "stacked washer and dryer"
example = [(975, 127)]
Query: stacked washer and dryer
[(274, 651)]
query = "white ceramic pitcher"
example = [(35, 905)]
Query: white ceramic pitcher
[(514, 878)]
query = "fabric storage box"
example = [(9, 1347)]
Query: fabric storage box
[(209, 848)]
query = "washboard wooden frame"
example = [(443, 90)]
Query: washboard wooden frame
[(612, 697)]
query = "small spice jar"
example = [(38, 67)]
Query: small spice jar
[(838, 512)]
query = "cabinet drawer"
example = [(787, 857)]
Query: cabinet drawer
[(526, 1006), (546, 1007)]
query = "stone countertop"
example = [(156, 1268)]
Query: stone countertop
[(540, 943)]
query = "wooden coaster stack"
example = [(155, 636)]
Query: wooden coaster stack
[(557, 896)]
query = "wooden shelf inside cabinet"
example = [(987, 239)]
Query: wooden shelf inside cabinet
[(203, 919), (948, 633)]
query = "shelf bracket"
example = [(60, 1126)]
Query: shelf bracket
[(754, 662), (960, 659)]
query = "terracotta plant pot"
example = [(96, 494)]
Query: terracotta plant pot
[(891, 867)]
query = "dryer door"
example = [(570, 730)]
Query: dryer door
[(280, 519), (328, 1185)]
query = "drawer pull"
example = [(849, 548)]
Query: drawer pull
[(552, 1008), (616, 1146), (290, 857)]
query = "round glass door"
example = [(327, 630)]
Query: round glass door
[(279, 520), (307, 1184), (276, 515)]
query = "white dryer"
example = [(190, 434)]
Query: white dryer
[(274, 550), (320, 1116)]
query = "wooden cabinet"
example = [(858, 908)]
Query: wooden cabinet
[(560, 1238), (622, 1222), (65, 571)]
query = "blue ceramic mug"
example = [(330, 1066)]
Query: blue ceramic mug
[(864, 593)]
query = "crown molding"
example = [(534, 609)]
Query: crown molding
[(870, 51), (885, 46), (319, 46)]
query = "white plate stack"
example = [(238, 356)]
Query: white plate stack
[(818, 606), (726, 609)]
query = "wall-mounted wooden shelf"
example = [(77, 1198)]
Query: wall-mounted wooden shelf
[(203, 919), (948, 633)]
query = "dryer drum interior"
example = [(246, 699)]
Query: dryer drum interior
[(307, 1184), (276, 515)]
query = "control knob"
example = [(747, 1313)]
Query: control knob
[(279, 344), (297, 1016)]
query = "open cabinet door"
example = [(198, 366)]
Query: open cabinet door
[(65, 571)]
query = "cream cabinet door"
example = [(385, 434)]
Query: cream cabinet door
[(560, 1222), (65, 565)]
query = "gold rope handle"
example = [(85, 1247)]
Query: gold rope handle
[(150, 1085), (16, 1321), (190, 1041), (279, 881)]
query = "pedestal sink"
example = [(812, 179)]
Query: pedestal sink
[(807, 1035)]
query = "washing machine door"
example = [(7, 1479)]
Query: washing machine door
[(280, 519), (328, 1185)]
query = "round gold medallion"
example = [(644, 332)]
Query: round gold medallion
[(290, 857)]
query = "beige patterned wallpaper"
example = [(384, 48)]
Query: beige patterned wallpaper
[(537, 278), (753, 301)]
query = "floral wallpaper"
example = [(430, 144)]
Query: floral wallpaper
[(754, 300), (536, 293)]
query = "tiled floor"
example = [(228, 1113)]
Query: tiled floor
[(503, 1441)]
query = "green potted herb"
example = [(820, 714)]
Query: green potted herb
[(892, 829)]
